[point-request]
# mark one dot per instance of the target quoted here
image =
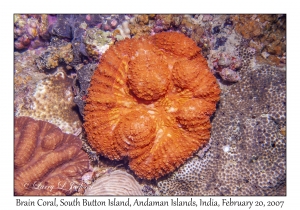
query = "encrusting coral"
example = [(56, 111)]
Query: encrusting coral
[(150, 101), (51, 99), (47, 161)]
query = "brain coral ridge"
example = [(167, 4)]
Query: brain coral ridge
[(150, 102), (46, 161)]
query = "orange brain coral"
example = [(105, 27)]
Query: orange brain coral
[(150, 101)]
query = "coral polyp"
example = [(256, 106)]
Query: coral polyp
[(150, 101)]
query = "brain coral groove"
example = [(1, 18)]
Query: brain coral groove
[(150, 101)]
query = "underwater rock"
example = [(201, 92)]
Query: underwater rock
[(62, 27), (84, 76), (61, 51)]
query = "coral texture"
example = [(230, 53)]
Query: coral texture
[(150, 101), (50, 99), (115, 183), (26, 73), (226, 65), (55, 54), (246, 154), (96, 42), (46, 161), (30, 31), (267, 34)]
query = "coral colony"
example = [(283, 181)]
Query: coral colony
[(150, 104), (151, 100), (47, 161)]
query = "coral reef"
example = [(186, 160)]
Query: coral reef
[(68, 25), (150, 190), (26, 72), (108, 22), (166, 22), (141, 25), (122, 31), (226, 65), (84, 75), (51, 100), (89, 36), (96, 42), (246, 152), (46, 161), (193, 178), (217, 32), (62, 26), (55, 59), (30, 31), (267, 35), (151, 100), (26, 76), (115, 183), (59, 51)]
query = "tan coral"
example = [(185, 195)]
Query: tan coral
[(140, 25), (46, 161), (115, 183), (52, 100), (150, 101)]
